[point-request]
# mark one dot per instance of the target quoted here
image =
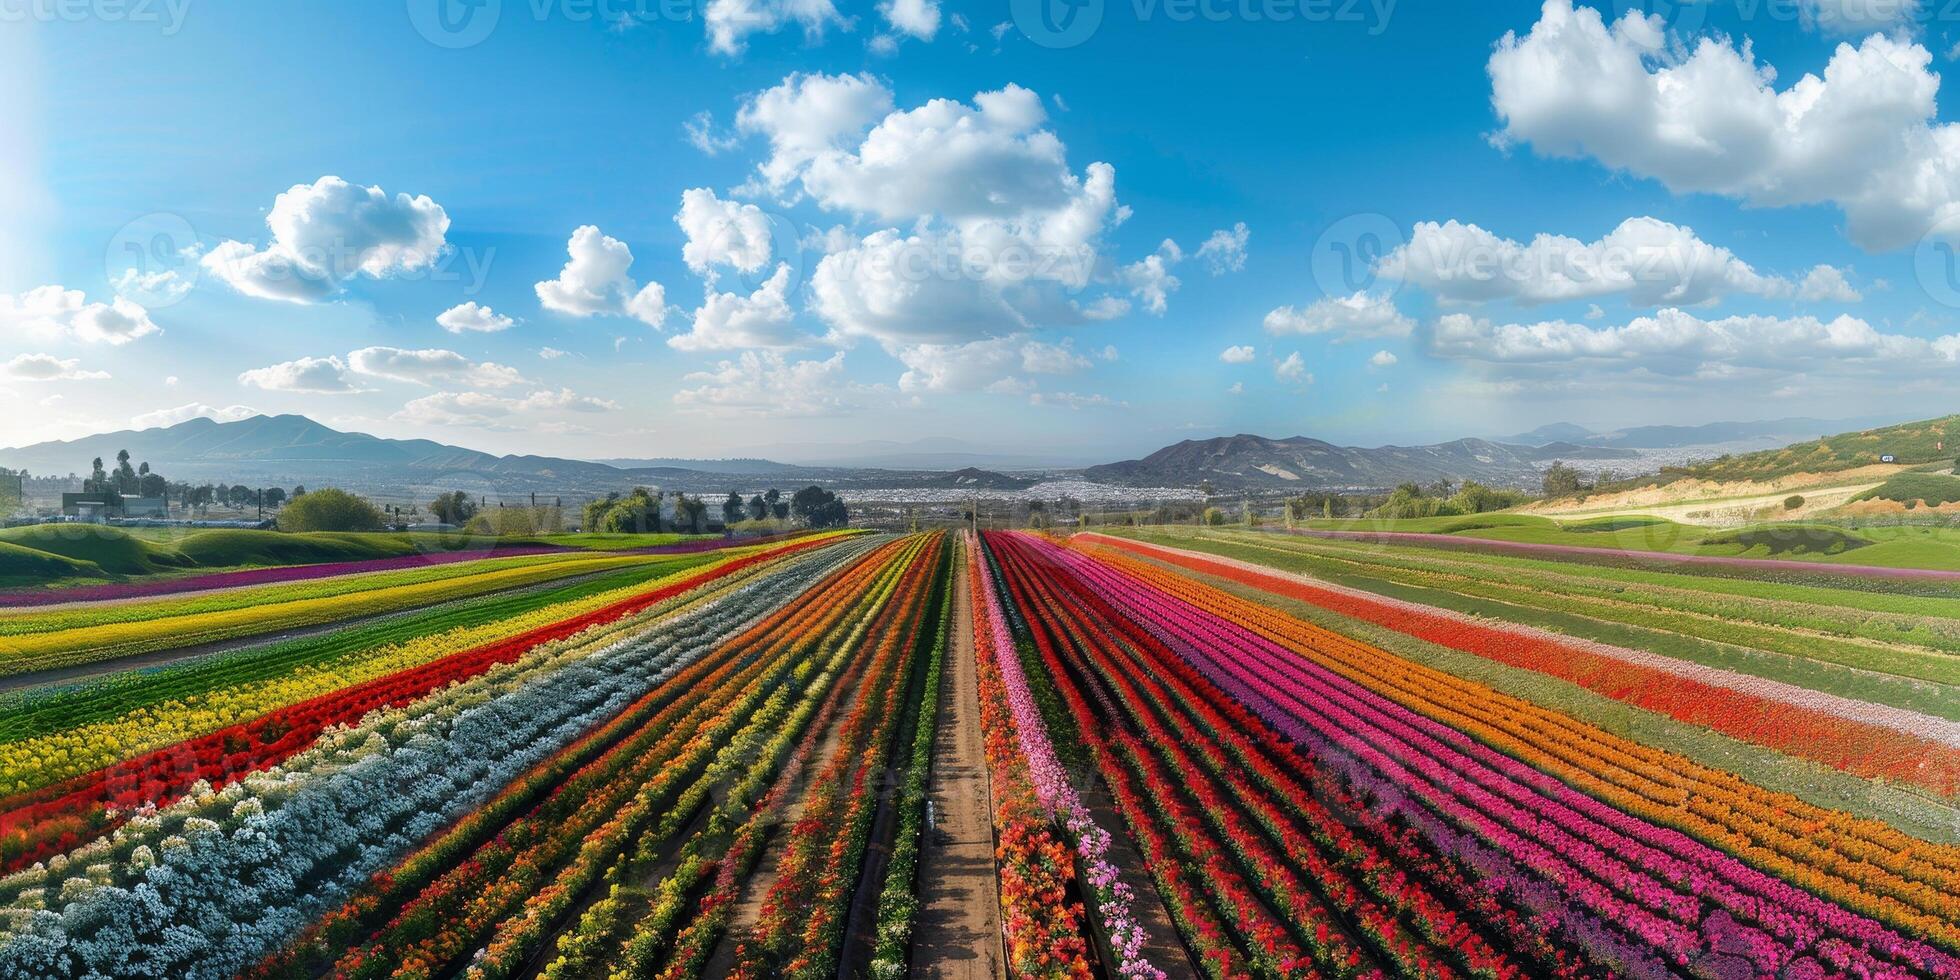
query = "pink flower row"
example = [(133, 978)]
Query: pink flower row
[(1650, 882)]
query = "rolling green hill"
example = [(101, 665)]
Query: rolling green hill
[(1909, 443)]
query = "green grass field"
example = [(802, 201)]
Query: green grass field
[(1903, 545), (1901, 650)]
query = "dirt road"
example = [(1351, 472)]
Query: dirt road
[(958, 932)]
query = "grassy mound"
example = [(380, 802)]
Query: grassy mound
[(109, 549), (25, 566), (1912, 489), (1624, 522), (226, 548), (1789, 539)]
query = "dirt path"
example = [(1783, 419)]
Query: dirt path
[(958, 932)]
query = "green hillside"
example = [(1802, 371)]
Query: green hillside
[(1913, 489), (108, 549), (1909, 443)]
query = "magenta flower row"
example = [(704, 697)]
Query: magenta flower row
[(1648, 899)]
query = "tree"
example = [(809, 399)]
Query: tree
[(299, 491), (595, 511), (636, 513), (758, 508), (152, 485), (1214, 517), (454, 507), (819, 508), (98, 480), (1792, 502), (330, 510), (125, 473), (1561, 480), (733, 508), (274, 496), (690, 514)]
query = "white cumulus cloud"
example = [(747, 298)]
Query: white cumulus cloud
[(326, 233), (729, 321), (1239, 354), (309, 375), (1224, 251), (1645, 261), (595, 282), (47, 367), (473, 318), (1708, 118), (722, 232), (431, 366), (51, 311), (1346, 317)]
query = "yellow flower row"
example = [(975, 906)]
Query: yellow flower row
[(35, 762), (90, 643)]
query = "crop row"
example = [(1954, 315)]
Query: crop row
[(799, 928), (1633, 894), (211, 884), (1043, 922), (1918, 645), (36, 712), (507, 895), (57, 816), (1856, 746), (105, 641), (230, 699), (1889, 650)]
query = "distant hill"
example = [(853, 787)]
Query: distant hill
[(283, 450), (1555, 432), (1770, 432), (1910, 443), (1256, 462), (1766, 434), (286, 449), (737, 467)]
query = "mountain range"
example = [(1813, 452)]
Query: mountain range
[(1256, 462), (293, 449)]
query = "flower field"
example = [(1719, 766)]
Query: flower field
[(731, 760)]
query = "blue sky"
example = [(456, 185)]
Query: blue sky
[(1782, 245)]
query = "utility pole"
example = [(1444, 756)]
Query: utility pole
[(261, 493)]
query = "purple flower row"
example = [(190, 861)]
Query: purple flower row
[(1114, 898), (1627, 890)]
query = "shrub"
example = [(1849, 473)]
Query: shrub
[(330, 510), (1214, 517), (1792, 502)]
